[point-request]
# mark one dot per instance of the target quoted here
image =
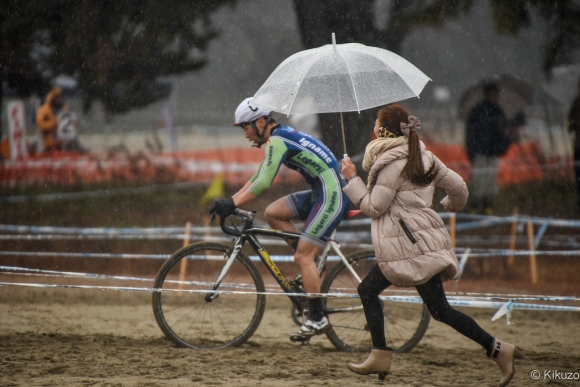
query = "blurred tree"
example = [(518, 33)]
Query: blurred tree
[(356, 21), (563, 17), (116, 50)]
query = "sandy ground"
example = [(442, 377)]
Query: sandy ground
[(77, 337)]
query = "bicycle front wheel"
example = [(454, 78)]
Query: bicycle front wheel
[(191, 315), (405, 323)]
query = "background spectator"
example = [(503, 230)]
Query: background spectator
[(485, 140), (67, 133), (47, 121)]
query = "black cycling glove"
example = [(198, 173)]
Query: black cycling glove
[(223, 207)]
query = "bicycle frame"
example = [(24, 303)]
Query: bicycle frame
[(201, 325), (249, 233)]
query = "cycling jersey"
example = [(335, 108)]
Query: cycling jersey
[(298, 151), (326, 205)]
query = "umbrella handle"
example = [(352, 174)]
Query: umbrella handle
[(345, 156)]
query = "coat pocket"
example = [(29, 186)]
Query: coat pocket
[(407, 232)]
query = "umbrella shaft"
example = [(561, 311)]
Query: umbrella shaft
[(343, 137)]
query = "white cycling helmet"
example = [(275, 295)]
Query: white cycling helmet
[(246, 113)]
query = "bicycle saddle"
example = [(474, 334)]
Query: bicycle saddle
[(352, 213)]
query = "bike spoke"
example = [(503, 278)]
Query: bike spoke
[(404, 324), (205, 319)]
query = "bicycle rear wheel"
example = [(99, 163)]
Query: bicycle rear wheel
[(405, 323), (187, 313)]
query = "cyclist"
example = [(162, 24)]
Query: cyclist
[(322, 208)]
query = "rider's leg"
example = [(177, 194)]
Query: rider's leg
[(279, 216), (305, 255)]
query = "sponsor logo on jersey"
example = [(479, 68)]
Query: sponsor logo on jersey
[(303, 157), (332, 204), (321, 223), (270, 155), (322, 153)]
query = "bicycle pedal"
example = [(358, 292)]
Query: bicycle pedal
[(300, 338)]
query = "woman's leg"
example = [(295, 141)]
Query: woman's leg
[(433, 295), (369, 289)]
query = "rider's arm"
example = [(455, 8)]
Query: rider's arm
[(243, 189), (243, 196), (276, 152)]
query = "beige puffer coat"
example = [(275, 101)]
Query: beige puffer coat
[(390, 199)]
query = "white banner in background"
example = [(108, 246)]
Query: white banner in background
[(17, 130)]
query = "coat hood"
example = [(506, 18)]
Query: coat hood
[(397, 153)]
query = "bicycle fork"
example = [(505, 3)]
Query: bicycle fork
[(230, 261)]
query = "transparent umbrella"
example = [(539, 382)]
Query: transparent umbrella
[(514, 96), (338, 78)]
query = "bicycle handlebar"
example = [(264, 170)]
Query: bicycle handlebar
[(248, 219), (246, 214)]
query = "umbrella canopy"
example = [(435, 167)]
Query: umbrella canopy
[(339, 78), (514, 96), (563, 84)]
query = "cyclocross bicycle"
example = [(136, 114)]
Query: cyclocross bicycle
[(211, 295)]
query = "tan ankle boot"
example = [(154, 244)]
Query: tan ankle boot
[(503, 355), (378, 362)]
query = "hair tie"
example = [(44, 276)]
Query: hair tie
[(385, 133), (414, 124)]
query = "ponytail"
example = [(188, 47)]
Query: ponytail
[(414, 169), (396, 120)]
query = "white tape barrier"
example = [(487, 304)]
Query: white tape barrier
[(202, 238), (248, 287), (278, 258), (98, 194), (480, 221), (82, 255), (450, 295), (477, 221), (566, 241), (125, 231), (505, 308), (520, 253), (416, 299), (101, 230)]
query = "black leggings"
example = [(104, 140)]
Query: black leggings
[(433, 296)]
